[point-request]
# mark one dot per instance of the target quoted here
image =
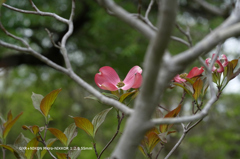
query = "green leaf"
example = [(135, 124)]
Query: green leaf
[(180, 85), (197, 86), (85, 125), (29, 153), (125, 95), (36, 100), (99, 119), (141, 148), (49, 143), (9, 125), (17, 153), (110, 95), (74, 153), (70, 132), (61, 155), (48, 101), (21, 141), (92, 97), (215, 77), (59, 134)]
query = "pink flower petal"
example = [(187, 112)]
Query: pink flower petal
[(220, 68), (208, 61), (108, 86), (130, 78), (224, 59), (137, 81), (178, 79), (195, 72), (106, 75)]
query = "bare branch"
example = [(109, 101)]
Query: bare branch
[(38, 12), (127, 18), (66, 36), (176, 145), (211, 8)]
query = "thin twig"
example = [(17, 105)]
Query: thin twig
[(13, 36), (181, 41), (51, 38), (139, 7), (186, 33), (114, 136), (149, 9), (44, 143), (176, 146), (95, 148), (162, 146), (37, 13), (163, 108)]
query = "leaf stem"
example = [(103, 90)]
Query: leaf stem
[(44, 143), (3, 150), (95, 148)]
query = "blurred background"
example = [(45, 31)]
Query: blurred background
[(100, 40)]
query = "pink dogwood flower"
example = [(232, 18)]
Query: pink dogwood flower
[(193, 73), (219, 64), (108, 79)]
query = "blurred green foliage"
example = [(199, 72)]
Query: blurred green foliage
[(103, 40)]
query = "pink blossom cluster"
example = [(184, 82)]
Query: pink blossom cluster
[(219, 63), (217, 67)]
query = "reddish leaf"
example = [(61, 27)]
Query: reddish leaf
[(59, 134), (99, 119), (9, 125), (9, 118), (234, 62), (48, 101), (35, 129), (171, 114), (153, 139), (29, 153), (197, 86), (85, 125)]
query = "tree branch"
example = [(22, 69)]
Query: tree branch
[(148, 97)]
